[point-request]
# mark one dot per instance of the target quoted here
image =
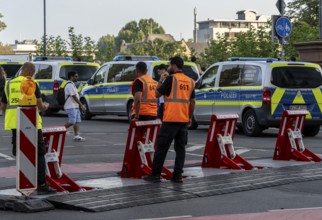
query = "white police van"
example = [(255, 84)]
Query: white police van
[(108, 90), (259, 90)]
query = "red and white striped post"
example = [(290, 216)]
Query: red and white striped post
[(27, 148)]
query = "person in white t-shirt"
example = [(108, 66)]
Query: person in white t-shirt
[(73, 104)]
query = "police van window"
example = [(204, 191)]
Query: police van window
[(45, 71), (209, 77), (84, 72), (191, 71), (128, 73), (11, 69), (100, 75), (296, 77), (251, 76), (230, 75), (115, 73)]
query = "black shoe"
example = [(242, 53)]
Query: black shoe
[(152, 179), (45, 189), (119, 173), (177, 179)]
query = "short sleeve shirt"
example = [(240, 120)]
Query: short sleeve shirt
[(137, 86), (71, 90)]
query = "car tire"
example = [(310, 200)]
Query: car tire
[(250, 124), (311, 131), (85, 115), (129, 110), (194, 124)]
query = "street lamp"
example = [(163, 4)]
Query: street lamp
[(45, 28)]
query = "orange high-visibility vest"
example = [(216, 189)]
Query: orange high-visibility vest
[(176, 105), (148, 104)]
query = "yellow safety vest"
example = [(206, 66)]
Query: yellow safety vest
[(12, 91)]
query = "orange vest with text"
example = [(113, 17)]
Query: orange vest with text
[(148, 104), (177, 104)]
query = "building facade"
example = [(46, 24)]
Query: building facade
[(208, 30)]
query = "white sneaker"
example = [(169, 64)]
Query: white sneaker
[(79, 138)]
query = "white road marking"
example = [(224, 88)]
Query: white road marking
[(282, 210), (7, 157), (242, 151), (195, 147), (172, 217), (198, 155)]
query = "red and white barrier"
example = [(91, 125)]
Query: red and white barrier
[(54, 138), (139, 150), (289, 144), (27, 148), (219, 150)]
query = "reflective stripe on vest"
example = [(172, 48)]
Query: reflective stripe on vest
[(148, 105), (177, 104), (13, 92)]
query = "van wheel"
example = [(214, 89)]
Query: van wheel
[(311, 131), (250, 124), (129, 110), (85, 115), (194, 124)]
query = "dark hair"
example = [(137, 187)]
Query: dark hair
[(162, 67), (193, 59), (178, 61), (71, 74), (141, 67)]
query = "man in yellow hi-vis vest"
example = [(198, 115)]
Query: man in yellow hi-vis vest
[(10, 102)]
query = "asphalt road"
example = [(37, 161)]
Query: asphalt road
[(105, 143)]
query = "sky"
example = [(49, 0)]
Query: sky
[(96, 18)]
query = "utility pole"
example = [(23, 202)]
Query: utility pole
[(45, 28), (195, 25)]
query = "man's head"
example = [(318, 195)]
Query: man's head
[(73, 76), (175, 64), (141, 68), (28, 69), (162, 68)]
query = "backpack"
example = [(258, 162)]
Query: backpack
[(61, 95)]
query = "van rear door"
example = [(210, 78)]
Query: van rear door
[(298, 87)]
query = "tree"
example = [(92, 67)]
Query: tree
[(306, 11), (106, 48), (55, 46), (5, 49), (164, 50), (75, 43), (2, 24), (134, 32), (254, 43)]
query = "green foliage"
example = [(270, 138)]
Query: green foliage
[(106, 48), (55, 46), (2, 24), (164, 50), (134, 32), (306, 11), (76, 43)]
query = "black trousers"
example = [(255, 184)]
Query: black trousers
[(160, 111), (169, 132), (41, 155)]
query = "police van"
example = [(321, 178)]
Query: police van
[(11, 68), (51, 74), (108, 90), (259, 90)]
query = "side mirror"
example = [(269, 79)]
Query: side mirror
[(198, 84), (90, 81)]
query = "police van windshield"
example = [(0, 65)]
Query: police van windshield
[(84, 72), (11, 69), (296, 77), (190, 71)]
